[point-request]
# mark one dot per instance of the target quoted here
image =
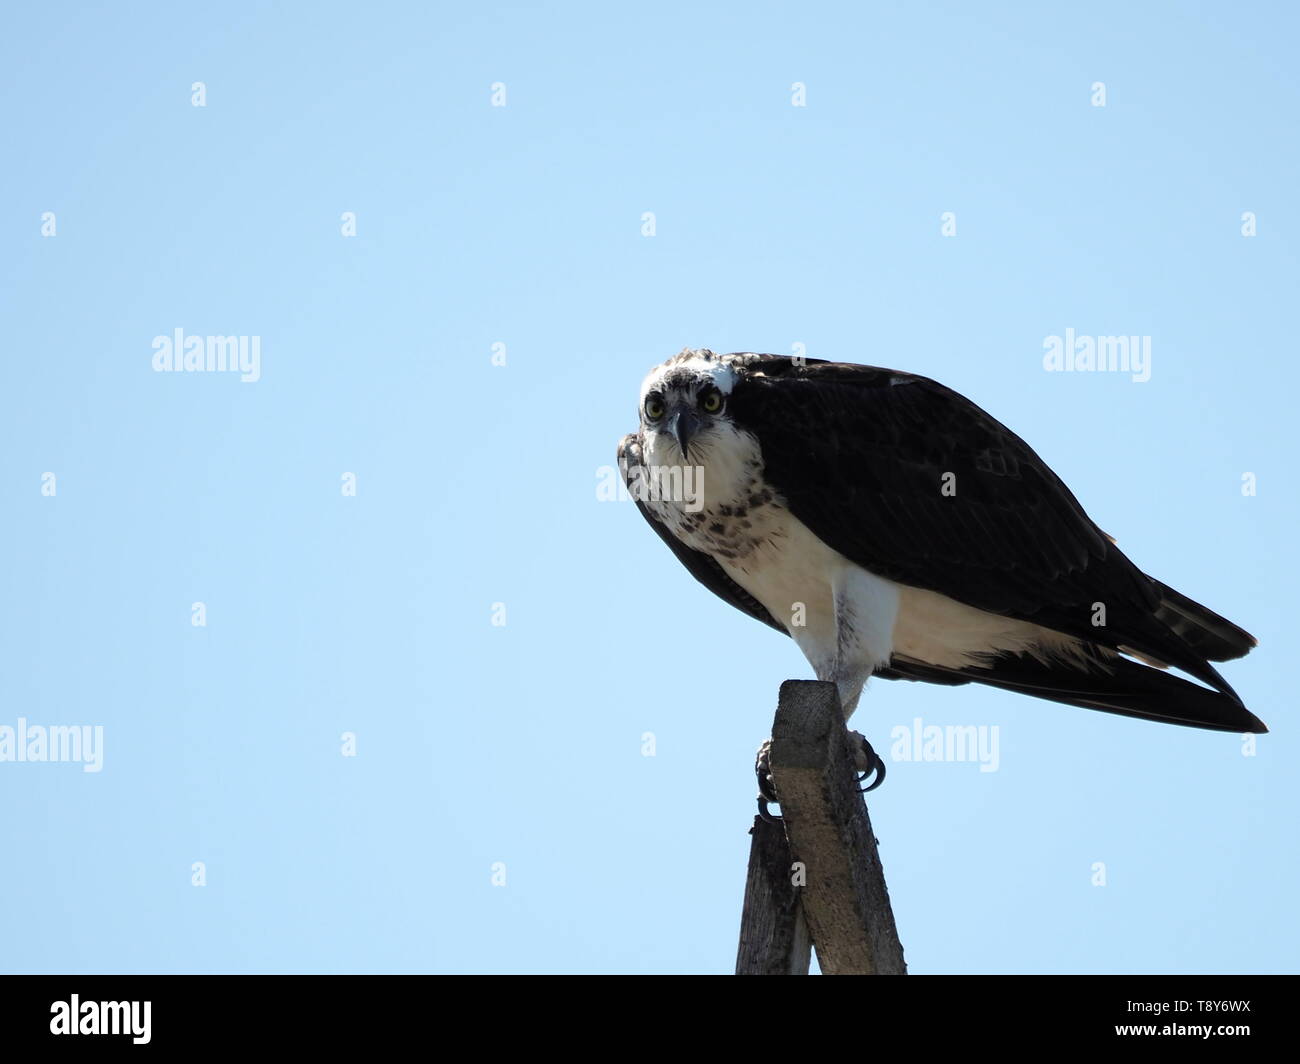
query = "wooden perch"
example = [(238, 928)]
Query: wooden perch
[(773, 933), (828, 846)]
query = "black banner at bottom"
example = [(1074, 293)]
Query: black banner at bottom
[(215, 1012)]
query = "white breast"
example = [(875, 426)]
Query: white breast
[(841, 616)]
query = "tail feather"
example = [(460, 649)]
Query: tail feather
[(1117, 686), (1210, 635)]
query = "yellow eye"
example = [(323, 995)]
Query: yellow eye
[(654, 408), (711, 403)]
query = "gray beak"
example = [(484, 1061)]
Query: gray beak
[(683, 425)]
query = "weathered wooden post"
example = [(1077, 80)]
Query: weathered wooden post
[(773, 933), (824, 841)]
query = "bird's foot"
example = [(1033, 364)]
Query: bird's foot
[(766, 786), (868, 762)]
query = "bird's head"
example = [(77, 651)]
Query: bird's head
[(684, 403)]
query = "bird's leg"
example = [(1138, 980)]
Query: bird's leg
[(868, 762), (849, 683), (766, 786)]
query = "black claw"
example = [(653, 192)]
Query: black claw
[(766, 786), (874, 765)]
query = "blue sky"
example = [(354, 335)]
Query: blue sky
[(520, 746)]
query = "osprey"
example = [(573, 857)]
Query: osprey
[(892, 528)]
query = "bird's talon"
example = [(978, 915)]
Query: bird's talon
[(766, 785), (874, 765)]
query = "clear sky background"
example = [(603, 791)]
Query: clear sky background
[(521, 225)]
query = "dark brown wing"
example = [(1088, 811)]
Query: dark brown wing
[(914, 482)]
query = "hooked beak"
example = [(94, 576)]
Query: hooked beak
[(683, 425)]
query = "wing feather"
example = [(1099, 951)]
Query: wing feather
[(862, 456)]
